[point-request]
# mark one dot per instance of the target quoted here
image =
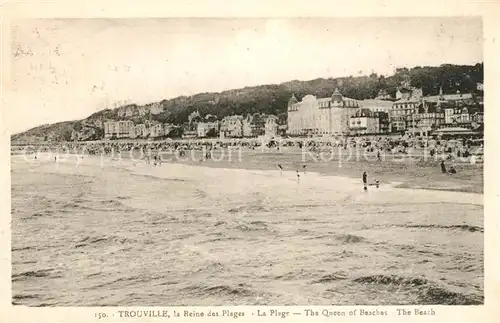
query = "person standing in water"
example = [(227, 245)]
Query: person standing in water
[(365, 181)]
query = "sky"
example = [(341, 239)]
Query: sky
[(67, 69)]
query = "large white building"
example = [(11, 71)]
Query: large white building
[(320, 116), (117, 129)]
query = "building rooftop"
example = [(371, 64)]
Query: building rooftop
[(237, 117), (448, 97), (405, 101), (364, 112), (376, 103)]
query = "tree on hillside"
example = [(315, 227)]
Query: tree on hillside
[(282, 118), (176, 132), (212, 133)]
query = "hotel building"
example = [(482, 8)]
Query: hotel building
[(400, 112), (117, 129), (364, 122), (320, 116)]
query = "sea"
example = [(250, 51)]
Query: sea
[(107, 232)]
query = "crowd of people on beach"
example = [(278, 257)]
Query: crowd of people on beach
[(151, 152), (379, 145)]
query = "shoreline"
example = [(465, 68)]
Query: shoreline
[(456, 185), (404, 174)]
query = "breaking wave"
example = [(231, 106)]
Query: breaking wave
[(40, 273), (241, 289), (464, 227), (428, 292), (338, 275), (88, 241), (349, 238)]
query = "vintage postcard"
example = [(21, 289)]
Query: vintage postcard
[(168, 162)]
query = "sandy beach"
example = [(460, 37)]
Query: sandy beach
[(407, 171), (121, 232)]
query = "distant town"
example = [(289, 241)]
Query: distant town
[(405, 111), (410, 112)]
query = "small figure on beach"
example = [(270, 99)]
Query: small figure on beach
[(452, 170), (378, 155), (443, 167), (55, 158), (298, 176), (365, 181), (377, 183), (304, 167), (281, 169)]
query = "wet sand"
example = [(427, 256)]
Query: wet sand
[(409, 171)]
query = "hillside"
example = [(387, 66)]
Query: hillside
[(271, 99), (55, 131)]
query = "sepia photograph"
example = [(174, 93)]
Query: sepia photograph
[(247, 161)]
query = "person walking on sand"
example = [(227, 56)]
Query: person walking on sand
[(365, 181), (443, 167), (304, 168), (298, 176), (281, 169)]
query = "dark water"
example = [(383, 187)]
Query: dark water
[(134, 234)]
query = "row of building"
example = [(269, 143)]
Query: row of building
[(412, 112), (235, 126), (331, 116), (250, 126), (127, 129)]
